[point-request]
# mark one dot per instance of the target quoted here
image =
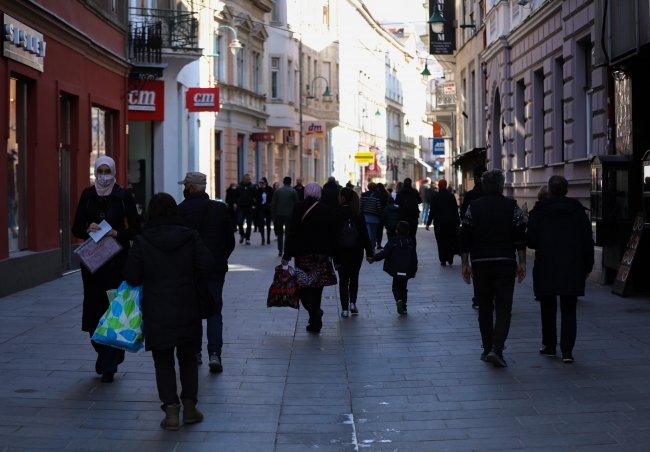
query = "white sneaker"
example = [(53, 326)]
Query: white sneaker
[(345, 313), (353, 309)]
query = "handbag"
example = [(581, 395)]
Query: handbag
[(121, 325), (284, 289), (207, 304)]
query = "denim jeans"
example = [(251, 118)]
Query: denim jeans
[(245, 213), (425, 212), (214, 323), (372, 232)]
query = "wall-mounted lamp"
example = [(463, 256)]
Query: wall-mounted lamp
[(436, 21)]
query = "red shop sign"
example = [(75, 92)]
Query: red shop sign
[(202, 99), (148, 102), (262, 137)]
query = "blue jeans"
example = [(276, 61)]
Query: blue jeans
[(372, 232), (425, 212), (215, 323)]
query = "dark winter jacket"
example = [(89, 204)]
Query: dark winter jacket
[(560, 233), (301, 192), (390, 217), (444, 209), (245, 195), (316, 234), (342, 215), (425, 193), (165, 259), (119, 210), (475, 193), (401, 257), (330, 195), (283, 201), (370, 204), (218, 235), (493, 229), (231, 198), (407, 200), (269, 197)]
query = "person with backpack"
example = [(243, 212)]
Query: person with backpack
[(353, 239), (401, 263), (408, 199), (370, 204), (390, 217)]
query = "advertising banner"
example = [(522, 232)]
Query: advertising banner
[(314, 129), (202, 99)]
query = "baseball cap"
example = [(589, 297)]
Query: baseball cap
[(194, 179)]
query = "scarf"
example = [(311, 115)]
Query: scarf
[(104, 190)]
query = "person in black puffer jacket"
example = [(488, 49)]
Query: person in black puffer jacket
[(408, 200), (165, 259), (401, 263), (351, 225)]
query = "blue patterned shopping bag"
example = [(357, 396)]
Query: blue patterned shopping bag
[(121, 326)]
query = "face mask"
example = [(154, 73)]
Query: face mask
[(105, 179), (186, 193)]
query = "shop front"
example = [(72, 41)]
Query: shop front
[(56, 123)]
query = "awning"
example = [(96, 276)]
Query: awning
[(425, 164)]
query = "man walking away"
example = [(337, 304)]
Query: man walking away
[(244, 202), (494, 231), (330, 194), (282, 204), (408, 200), (444, 214), (475, 193), (390, 217), (212, 221), (300, 189), (426, 200), (371, 209), (560, 233)]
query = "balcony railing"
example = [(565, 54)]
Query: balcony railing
[(444, 100), (151, 30)]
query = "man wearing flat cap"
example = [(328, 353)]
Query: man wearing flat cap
[(212, 221)]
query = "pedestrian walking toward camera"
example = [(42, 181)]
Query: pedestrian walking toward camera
[(370, 204), (408, 200), (264, 198), (300, 189), (231, 197), (493, 234), (105, 200), (312, 242), (244, 205), (425, 194), (353, 239), (330, 195), (165, 259), (444, 215), (211, 220), (401, 263), (560, 232), (284, 199)]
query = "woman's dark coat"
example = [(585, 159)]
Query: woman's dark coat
[(342, 214), (560, 233), (164, 260), (444, 209), (316, 234), (119, 210)]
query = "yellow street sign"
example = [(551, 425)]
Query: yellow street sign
[(364, 157)]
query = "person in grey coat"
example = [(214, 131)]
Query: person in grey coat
[(282, 204), (560, 232)]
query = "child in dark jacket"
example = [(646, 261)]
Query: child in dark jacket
[(401, 263)]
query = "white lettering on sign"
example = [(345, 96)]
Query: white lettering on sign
[(142, 100), (204, 100), (22, 43)]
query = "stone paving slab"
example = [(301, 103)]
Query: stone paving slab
[(376, 381)]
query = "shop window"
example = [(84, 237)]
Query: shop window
[(17, 165), (101, 137)]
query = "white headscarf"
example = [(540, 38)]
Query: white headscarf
[(104, 183)]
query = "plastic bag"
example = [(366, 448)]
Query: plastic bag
[(284, 290), (121, 326)]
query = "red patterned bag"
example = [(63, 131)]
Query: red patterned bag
[(284, 290)]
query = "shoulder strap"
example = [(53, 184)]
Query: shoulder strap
[(309, 210), (206, 215)]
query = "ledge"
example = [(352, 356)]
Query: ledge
[(537, 167), (556, 164), (583, 159), (513, 170)]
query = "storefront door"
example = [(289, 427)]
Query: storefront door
[(68, 260), (141, 164), (17, 166)]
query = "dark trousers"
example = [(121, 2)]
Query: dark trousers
[(264, 219), (282, 221), (233, 218), (349, 270), (447, 238), (413, 227), (390, 233), (311, 298), (400, 292), (214, 323), (245, 213), (380, 233), (108, 358), (548, 307), (166, 373), (493, 288)]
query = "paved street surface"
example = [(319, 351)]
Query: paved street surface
[(375, 382)]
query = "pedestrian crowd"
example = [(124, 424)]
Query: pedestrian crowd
[(180, 258)]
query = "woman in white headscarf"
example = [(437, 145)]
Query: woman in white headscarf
[(105, 200)]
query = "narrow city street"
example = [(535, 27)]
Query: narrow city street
[(376, 381)]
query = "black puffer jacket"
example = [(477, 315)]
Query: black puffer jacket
[(218, 235), (330, 195), (164, 259), (245, 195), (560, 233), (401, 257)]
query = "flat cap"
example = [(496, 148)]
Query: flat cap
[(194, 179)]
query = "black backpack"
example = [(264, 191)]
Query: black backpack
[(410, 204), (349, 234)]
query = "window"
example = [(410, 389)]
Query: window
[(472, 109), (257, 81), (308, 81), (241, 68), (515, 12), (17, 165), (219, 65), (558, 112), (290, 81), (589, 93), (537, 116), (326, 15), (275, 12), (275, 78), (327, 73), (520, 124), (101, 137)]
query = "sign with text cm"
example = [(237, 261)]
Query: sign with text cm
[(202, 99)]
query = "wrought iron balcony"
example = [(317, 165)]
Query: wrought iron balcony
[(444, 100)]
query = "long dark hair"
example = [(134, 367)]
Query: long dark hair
[(162, 205), (383, 193), (352, 199)]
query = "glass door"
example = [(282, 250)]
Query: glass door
[(17, 166)]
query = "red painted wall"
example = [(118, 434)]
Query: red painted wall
[(91, 84)]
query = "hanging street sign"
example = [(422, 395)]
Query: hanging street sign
[(364, 157)]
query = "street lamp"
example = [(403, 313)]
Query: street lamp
[(327, 94), (377, 113), (436, 21), (235, 46)]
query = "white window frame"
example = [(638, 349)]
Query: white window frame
[(290, 88), (275, 78)]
